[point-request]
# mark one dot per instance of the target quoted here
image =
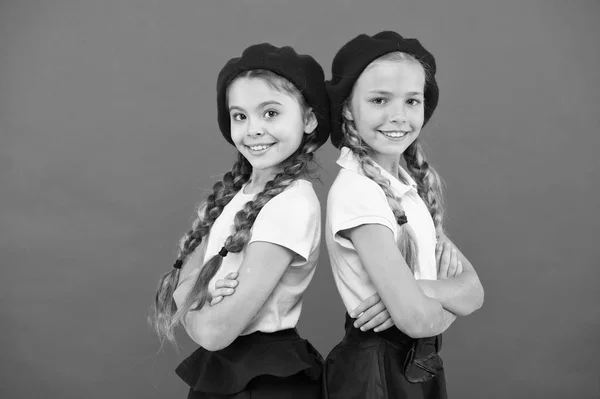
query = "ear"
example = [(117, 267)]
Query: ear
[(310, 122), (346, 113)]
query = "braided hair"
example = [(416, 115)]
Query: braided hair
[(166, 316)]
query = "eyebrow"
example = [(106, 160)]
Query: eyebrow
[(261, 105), (386, 92)]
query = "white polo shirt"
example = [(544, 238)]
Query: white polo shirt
[(291, 219), (354, 200)]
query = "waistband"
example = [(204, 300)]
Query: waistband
[(259, 337)]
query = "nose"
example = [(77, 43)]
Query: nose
[(398, 114), (255, 129)]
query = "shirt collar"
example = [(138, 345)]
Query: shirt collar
[(348, 160)]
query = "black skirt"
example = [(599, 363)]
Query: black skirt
[(384, 365), (258, 366)]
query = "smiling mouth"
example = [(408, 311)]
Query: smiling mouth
[(259, 147), (393, 134)]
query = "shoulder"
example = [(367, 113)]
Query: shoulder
[(354, 199), (350, 186), (298, 193), (301, 188), (291, 219), (298, 197)]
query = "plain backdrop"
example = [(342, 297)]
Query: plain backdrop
[(108, 139)]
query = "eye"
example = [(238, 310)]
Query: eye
[(413, 102), (379, 101), (238, 117), (270, 114)]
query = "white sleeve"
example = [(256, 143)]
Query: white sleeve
[(291, 219), (356, 200)]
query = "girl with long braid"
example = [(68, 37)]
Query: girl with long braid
[(261, 226), (384, 222)]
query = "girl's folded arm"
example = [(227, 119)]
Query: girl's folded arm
[(216, 327), (411, 310), (462, 294)]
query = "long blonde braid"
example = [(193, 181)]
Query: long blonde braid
[(428, 183), (353, 141)]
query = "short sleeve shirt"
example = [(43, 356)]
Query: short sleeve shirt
[(291, 219), (354, 200)]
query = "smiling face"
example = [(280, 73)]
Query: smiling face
[(267, 124), (387, 106)]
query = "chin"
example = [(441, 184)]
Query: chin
[(265, 166), (387, 149)]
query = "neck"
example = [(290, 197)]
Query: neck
[(259, 178), (390, 163)]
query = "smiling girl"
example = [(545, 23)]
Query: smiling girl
[(261, 226), (383, 223)]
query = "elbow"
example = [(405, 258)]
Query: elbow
[(472, 303), (463, 311), (422, 329), (480, 298), (417, 333), (217, 341), (210, 339), (214, 345), (476, 301), (422, 322)]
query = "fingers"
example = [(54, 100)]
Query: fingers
[(389, 323), (445, 260), (226, 283), (438, 254), (453, 262), (459, 269), (364, 305), (216, 300), (368, 315), (223, 288), (222, 292), (376, 321)]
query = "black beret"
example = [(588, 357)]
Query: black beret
[(356, 55), (303, 71)]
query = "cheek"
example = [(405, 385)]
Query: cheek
[(369, 117), (236, 133), (294, 129), (417, 118)]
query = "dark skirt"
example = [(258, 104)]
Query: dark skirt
[(384, 365), (257, 366)]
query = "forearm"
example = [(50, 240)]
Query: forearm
[(429, 323), (462, 295), (214, 327), (446, 321), (204, 324)]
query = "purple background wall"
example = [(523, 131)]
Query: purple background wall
[(108, 137)]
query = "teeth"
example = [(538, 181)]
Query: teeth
[(259, 147), (394, 134)]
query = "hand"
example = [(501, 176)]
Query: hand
[(372, 314), (446, 256), (223, 288)]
